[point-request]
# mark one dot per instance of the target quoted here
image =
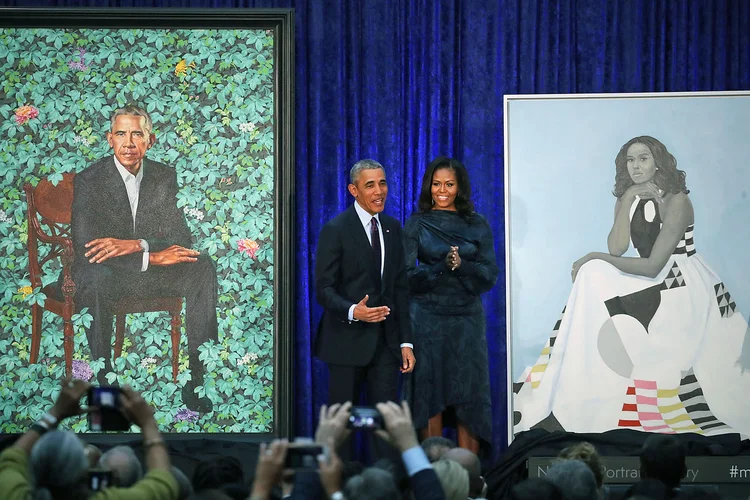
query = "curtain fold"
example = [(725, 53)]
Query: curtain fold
[(403, 81)]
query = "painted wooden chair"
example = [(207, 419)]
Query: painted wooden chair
[(49, 214)]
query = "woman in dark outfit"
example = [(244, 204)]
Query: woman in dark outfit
[(450, 261)]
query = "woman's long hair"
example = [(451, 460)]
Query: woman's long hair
[(59, 466), (666, 177), (464, 205)]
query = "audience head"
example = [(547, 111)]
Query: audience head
[(125, 466), (649, 489), (470, 462), (435, 446), (575, 480), (663, 458), (586, 453), (464, 205), (93, 454), (397, 470), (371, 484), (209, 495), (212, 474), (183, 483), (58, 465), (535, 488), (453, 478), (351, 468)]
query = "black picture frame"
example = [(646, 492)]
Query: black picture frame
[(281, 22)]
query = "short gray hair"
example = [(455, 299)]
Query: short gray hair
[(363, 165), (133, 110), (58, 463), (125, 466), (453, 478), (372, 484), (575, 480), (183, 483)]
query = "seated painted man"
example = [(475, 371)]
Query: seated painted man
[(130, 239)]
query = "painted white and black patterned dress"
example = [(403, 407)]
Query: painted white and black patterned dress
[(667, 354)]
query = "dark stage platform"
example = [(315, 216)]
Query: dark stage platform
[(718, 463)]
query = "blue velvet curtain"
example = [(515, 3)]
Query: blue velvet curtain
[(405, 80)]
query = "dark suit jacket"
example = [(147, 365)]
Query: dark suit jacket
[(343, 276), (101, 210)]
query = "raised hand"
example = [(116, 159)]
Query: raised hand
[(269, 467), (370, 314), (331, 469), (332, 424), (647, 190), (136, 408), (399, 429), (68, 403)]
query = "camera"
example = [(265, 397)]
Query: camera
[(107, 416), (304, 455), (100, 479), (364, 417)]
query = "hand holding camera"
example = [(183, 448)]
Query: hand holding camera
[(399, 428), (332, 424), (68, 403)]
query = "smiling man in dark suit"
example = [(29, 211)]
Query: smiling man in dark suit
[(130, 239), (360, 280)]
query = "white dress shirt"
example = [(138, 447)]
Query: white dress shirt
[(366, 219), (133, 188)]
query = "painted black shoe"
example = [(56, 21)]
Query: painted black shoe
[(195, 403)]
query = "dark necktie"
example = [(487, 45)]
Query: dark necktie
[(375, 242)]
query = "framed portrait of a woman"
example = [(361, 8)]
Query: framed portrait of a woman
[(627, 262)]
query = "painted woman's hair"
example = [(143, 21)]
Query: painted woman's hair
[(666, 177)]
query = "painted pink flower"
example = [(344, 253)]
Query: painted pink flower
[(248, 247), (25, 113)]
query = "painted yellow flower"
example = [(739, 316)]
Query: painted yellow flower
[(182, 67), (25, 291)]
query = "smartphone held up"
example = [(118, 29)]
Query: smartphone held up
[(364, 418), (107, 415)]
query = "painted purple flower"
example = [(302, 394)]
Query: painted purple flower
[(82, 370), (185, 415), (79, 64)]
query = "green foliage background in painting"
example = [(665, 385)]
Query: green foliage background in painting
[(210, 95)]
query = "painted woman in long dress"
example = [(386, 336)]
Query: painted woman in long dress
[(652, 342)]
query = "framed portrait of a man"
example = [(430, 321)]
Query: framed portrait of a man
[(146, 168)]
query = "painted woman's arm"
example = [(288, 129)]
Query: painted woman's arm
[(618, 240), (678, 216)]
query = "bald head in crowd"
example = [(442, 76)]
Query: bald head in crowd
[(470, 462)]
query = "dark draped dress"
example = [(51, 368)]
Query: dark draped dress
[(447, 316)]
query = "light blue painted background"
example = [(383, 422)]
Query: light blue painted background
[(560, 179)]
